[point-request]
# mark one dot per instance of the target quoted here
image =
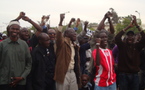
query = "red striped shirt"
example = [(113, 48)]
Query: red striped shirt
[(105, 74)]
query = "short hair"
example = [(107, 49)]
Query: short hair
[(51, 29), (40, 36), (102, 31), (68, 30)]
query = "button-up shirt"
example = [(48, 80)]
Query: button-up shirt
[(15, 60)]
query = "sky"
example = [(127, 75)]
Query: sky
[(87, 10)]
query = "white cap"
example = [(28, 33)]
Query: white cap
[(4, 35), (14, 22)]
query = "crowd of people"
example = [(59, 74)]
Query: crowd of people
[(62, 59)]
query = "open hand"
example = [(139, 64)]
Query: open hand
[(78, 21), (43, 17)]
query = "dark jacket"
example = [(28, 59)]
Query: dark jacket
[(142, 58), (43, 67), (129, 55), (82, 53)]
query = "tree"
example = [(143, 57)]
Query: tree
[(115, 17), (124, 22)]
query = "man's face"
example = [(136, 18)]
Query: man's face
[(24, 34), (84, 40), (72, 35), (84, 81), (14, 30), (130, 38), (104, 39), (52, 34)]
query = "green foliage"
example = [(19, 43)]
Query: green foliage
[(125, 22), (32, 28), (115, 18), (79, 28), (5, 32)]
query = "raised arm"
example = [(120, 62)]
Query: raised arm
[(111, 27), (71, 21), (59, 35), (77, 22), (141, 43), (101, 24), (136, 24), (42, 23), (118, 39), (22, 14), (62, 16), (44, 19), (85, 25), (39, 29)]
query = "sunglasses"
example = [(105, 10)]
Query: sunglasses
[(52, 33)]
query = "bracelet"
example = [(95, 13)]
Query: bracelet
[(137, 26), (97, 44)]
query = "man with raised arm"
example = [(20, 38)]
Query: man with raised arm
[(103, 72), (67, 70), (101, 27), (129, 57)]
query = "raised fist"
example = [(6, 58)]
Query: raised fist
[(73, 19), (86, 22), (62, 16), (108, 14), (26, 18), (22, 14)]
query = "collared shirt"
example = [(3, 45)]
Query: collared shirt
[(15, 60), (72, 62)]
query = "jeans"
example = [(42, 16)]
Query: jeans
[(111, 87), (128, 81), (142, 82)]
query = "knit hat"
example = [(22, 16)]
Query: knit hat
[(130, 32)]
